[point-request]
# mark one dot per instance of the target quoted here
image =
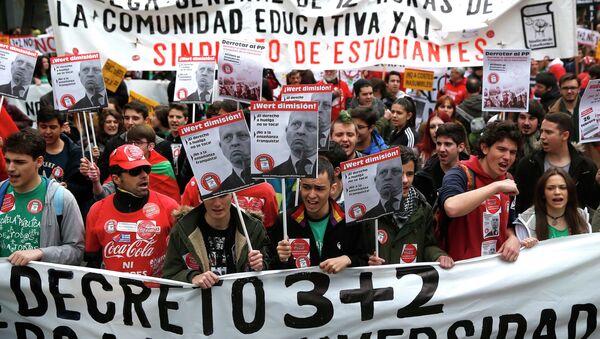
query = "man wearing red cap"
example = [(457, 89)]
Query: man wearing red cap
[(128, 230)]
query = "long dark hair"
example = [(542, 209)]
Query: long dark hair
[(575, 221), (100, 134)]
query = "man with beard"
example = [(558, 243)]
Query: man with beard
[(475, 199), (363, 97), (388, 183), (301, 136), (235, 145), (21, 72), (545, 88), (90, 75), (529, 123), (205, 74), (456, 85), (341, 92), (568, 102), (557, 151)]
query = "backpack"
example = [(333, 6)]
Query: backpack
[(57, 200), (441, 219)]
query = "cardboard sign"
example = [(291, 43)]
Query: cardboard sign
[(113, 74), (145, 100), (16, 70), (506, 80), (77, 83), (320, 93), (284, 139), (418, 79), (218, 150), (195, 80), (240, 70), (372, 185)]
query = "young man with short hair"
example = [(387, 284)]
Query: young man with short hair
[(529, 124), (128, 230), (333, 246), (39, 219), (557, 151), (406, 236), (363, 97), (545, 88), (450, 149), (345, 133), (369, 141), (568, 85), (209, 241), (475, 198), (177, 116)]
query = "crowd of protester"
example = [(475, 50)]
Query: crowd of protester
[(473, 183)]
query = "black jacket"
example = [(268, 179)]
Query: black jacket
[(582, 170), (429, 179)]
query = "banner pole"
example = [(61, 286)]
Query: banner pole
[(76, 116), (284, 208), (87, 135), (377, 237), (92, 128), (237, 204), (297, 197), (193, 113), (2, 102)]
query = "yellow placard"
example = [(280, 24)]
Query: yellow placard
[(598, 50), (5, 39), (418, 79), (144, 100), (113, 74)]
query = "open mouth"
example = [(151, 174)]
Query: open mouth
[(503, 166)]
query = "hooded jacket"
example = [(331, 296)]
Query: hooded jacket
[(465, 238)]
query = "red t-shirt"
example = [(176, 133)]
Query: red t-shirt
[(457, 92), (131, 242)]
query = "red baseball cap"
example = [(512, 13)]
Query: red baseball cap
[(128, 157)]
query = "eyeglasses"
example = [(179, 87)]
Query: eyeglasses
[(134, 172), (569, 88), (137, 143)]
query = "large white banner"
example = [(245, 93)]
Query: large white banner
[(343, 34), (550, 291)]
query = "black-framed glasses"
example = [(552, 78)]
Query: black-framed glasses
[(137, 143), (134, 172)]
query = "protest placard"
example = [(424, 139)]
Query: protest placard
[(506, 80), (113, 74), (240, 70), (77, 82), (589, 113), (16, 70), (321, 93), (418, 79), (284, 139), (133, 95), (195, 80), (383, 171), (218, 150)]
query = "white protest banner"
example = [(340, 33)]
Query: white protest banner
[(78, 83), (506, 80), (31, 105), (284, 139), (550, 291), (195, 80), (45, 44), (315, 35), (240, 70), (155, 89), (383, 171), (218, 150), (16, 70), (320, 93), (589, 113), (25, 41)]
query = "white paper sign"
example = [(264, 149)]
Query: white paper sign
[(218, 150), (78, 83), (372, 185), (506, 80), (16, 70), (240, 70), (589, 113), (284, 138), (195, 80)]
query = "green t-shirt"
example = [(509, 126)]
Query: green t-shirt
[(318, 228), (554, 233), (20, 219)]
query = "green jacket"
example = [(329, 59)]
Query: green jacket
[(186, 253), (418, 230)]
